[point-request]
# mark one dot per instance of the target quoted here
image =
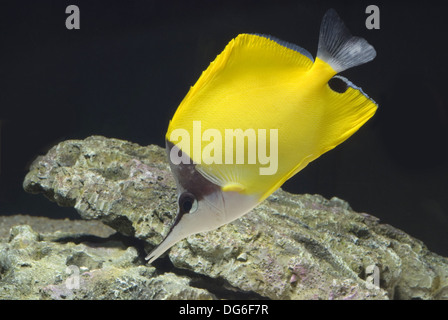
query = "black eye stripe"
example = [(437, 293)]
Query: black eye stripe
[(186, 201), (187, 205)]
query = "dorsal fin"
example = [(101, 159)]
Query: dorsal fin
[(287, 44)]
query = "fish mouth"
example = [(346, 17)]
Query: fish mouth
[(170, 240)]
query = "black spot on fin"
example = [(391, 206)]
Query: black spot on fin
[(339, 82), (338, 85)]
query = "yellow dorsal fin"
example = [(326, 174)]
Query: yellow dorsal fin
[(255, 60), (253, 51)]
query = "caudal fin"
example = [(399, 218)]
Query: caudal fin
[(338, 47)]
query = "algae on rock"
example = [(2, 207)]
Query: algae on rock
[(289, 247), (32, 267)]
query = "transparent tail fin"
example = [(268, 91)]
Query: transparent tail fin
[(338, 47)]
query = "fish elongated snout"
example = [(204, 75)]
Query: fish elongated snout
[(212, 211), (185, 225), (170, 240)]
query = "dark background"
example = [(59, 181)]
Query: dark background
[(125, 71)]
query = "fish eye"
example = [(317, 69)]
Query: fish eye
[(338, 85), (188, 202)]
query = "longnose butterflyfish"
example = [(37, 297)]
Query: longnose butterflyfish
[(261, 111)]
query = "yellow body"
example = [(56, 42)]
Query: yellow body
[(256, 83)]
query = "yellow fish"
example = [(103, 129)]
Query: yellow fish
[(262, 111)]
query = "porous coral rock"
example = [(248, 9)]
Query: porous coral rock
[(289, 247), (33, 268)]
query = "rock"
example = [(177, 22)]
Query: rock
[(111, 180), (289, 247), (55, 228), (33, 268)]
